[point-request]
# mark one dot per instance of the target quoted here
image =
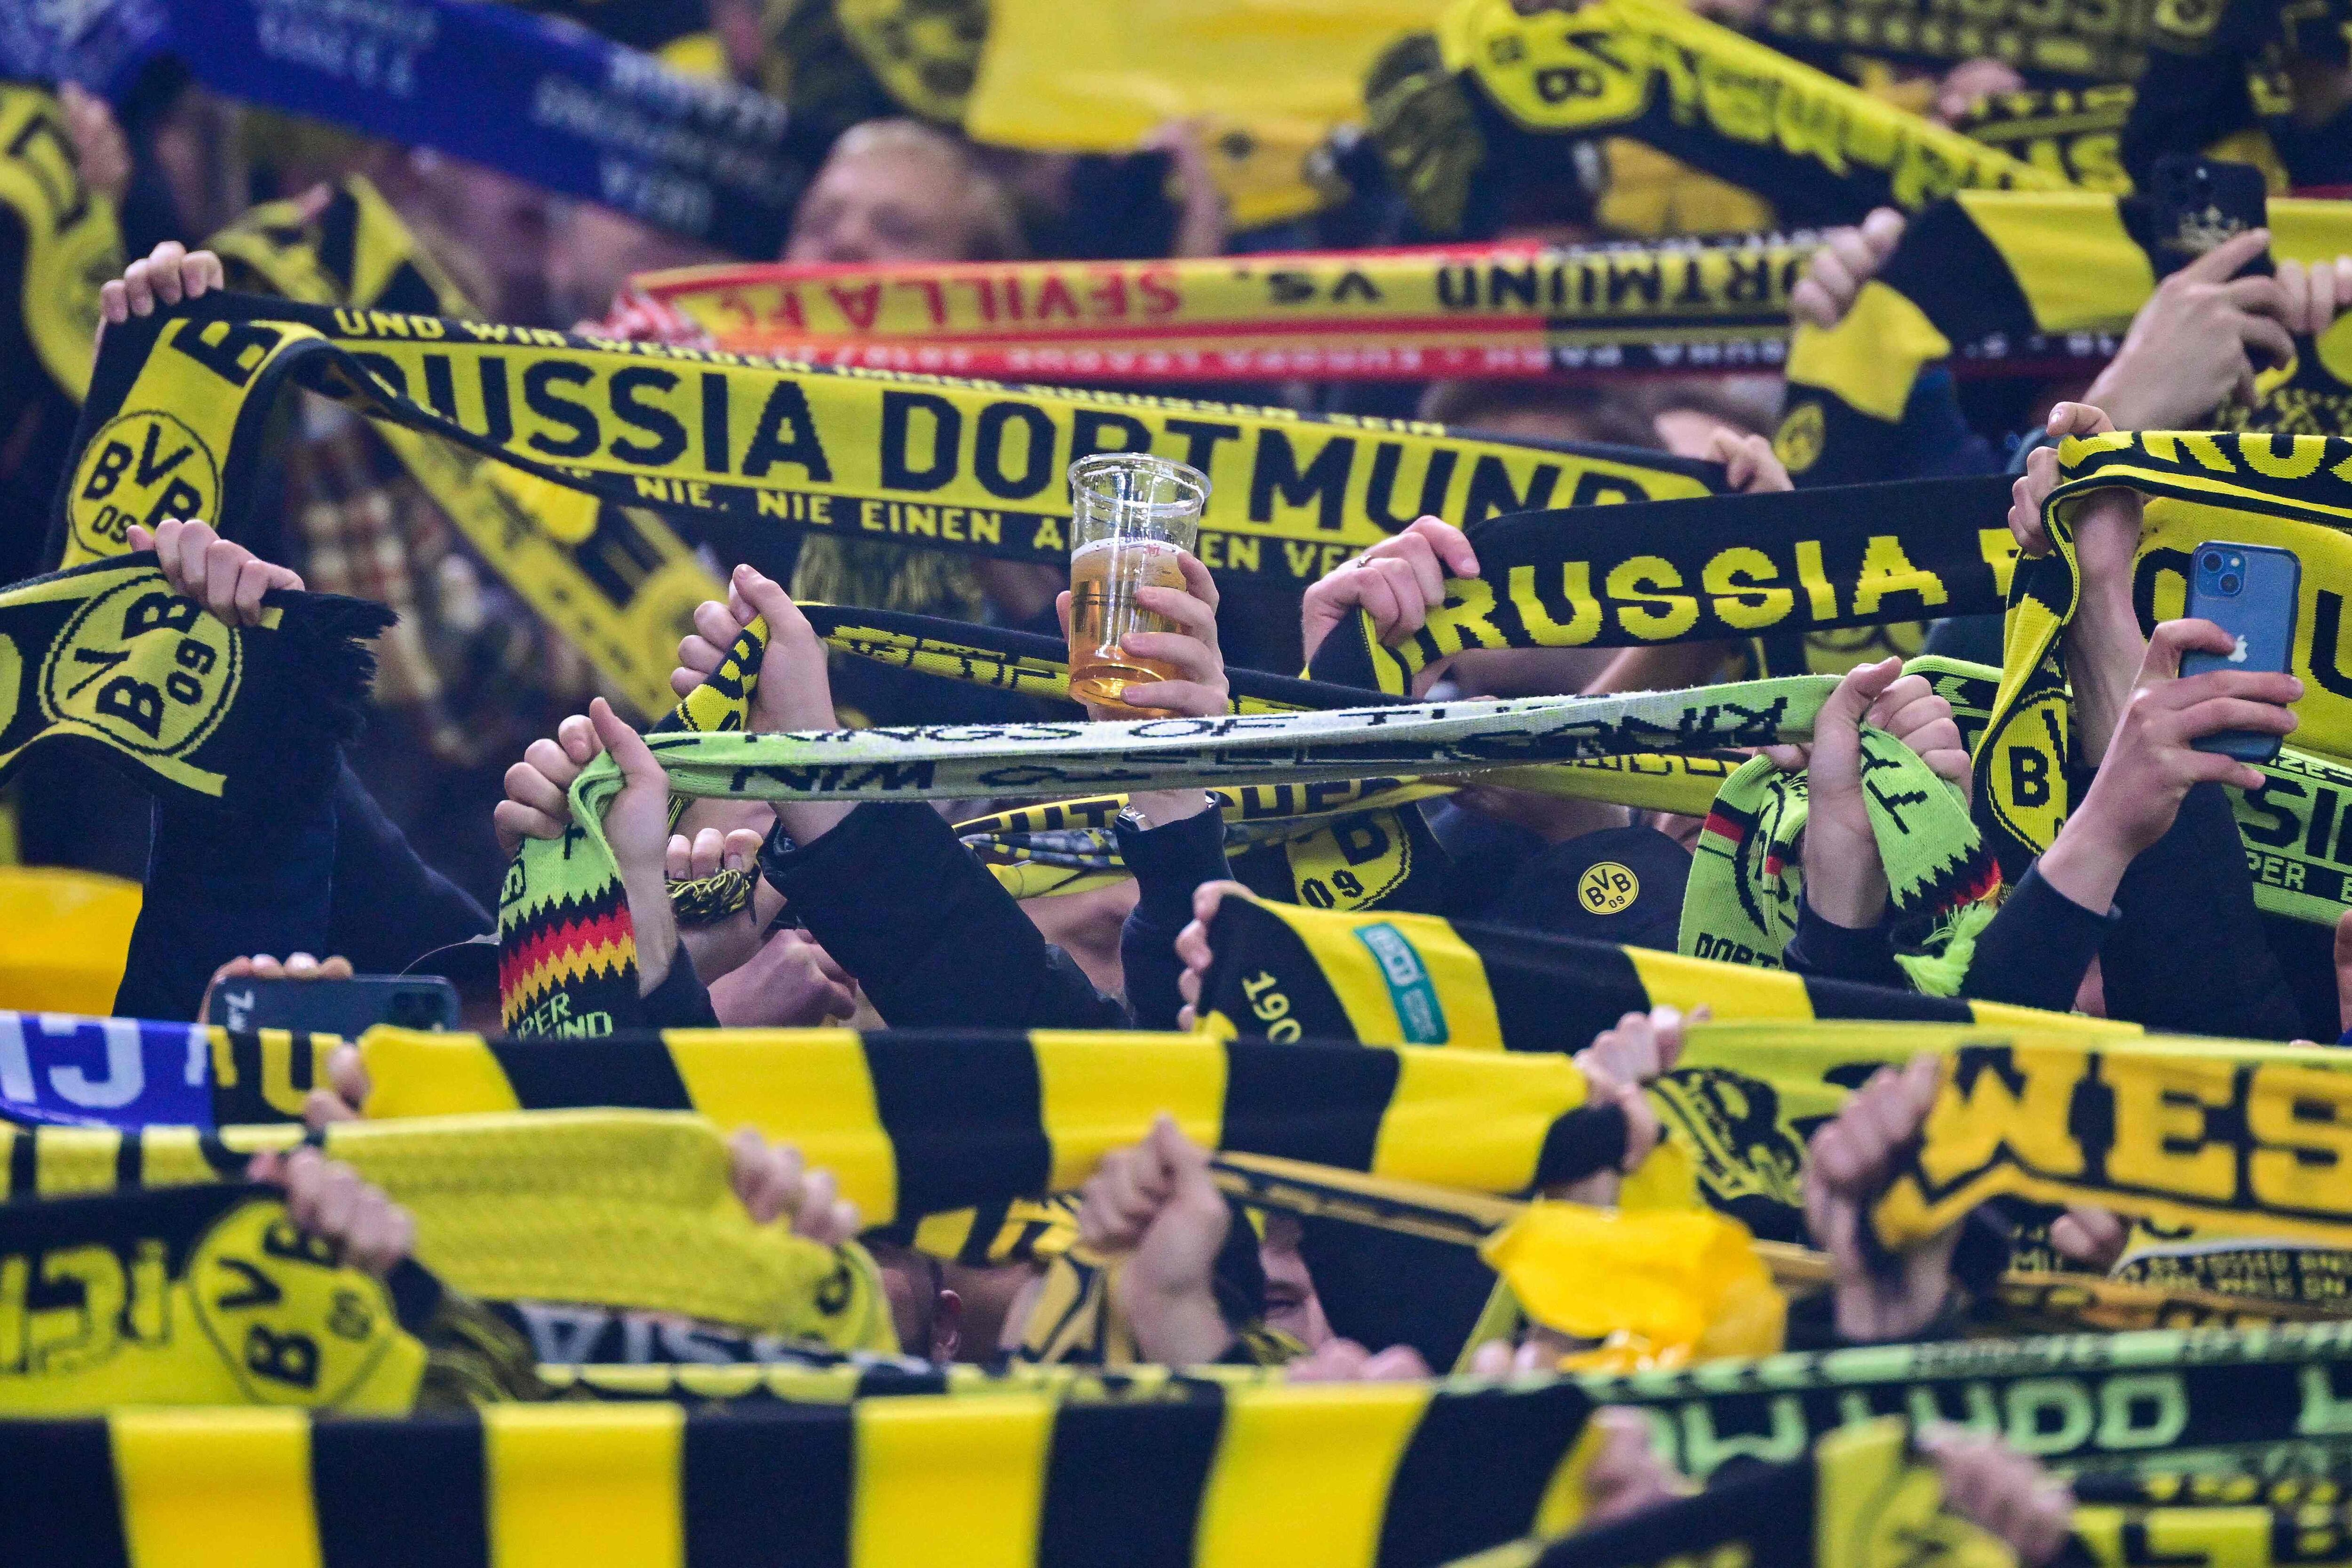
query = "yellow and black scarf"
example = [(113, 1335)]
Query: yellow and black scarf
[(2015, 264), (1497, 93), (2290, 490), (108, 659), (1285, 972), (972, 467), (197, 1295), (618, 581), (1397, 315), (63, 235)]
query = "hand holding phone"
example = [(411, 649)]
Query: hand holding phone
[(348, 1008), (2250, 591)]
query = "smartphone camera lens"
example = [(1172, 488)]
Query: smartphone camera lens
[(2228, 582), (2212, 561)]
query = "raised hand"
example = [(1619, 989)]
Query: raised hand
[(1399, 581), (226, 578)]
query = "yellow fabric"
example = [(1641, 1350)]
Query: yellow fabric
[(551, 1469), (2244, 1139), (1468, 1120), (966, 1471), (1098, 78), (228, 1308), (2072, 258), (72, 244), (216, 1488), (69, 933), (1663, 1287), (1872, 357)]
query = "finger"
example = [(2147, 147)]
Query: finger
[(1428, 572), (114, 301), (138, 288), (1190, 614), (766, 598), (514, 821), (529, 782), (2213, 717), (2172, 639), (1853, 253), (1200, 582), (678, 859), (2074, 419), (739, 848), (1835, 278), (202, 272), (636, 760), (709, 846), (163, 270), (715, 624), (1452, 545), (348, 1076), (253, 580), (2270, 298), (2293, 285), (223, 564), (2275, 343), (577, 737), (1809, 302), (2225, 260), (1883, 230), (699, 657)]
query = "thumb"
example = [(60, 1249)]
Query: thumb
[(1844, 707), (637, 763)]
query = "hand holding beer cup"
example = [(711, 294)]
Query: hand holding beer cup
[(1141, 610)]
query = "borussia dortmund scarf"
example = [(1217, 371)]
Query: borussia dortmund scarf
[(108, 659), (568, 955), (61, 235), (1747, 882), (197, 1295), (2098, 43), (149, 1073), (2232, 1143), (1286, 973), (2147, 1402), (1413, 1474), (609, 1208), (965, 467), (616, 580), (1778, 568), (1992, 263), (922, 1124), (1497, 95), (1399, 315), (2282, 489), (1859, 1498)]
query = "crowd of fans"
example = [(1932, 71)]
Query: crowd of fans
[(484, 718)]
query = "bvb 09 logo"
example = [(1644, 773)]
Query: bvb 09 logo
[(141, 467), (145, 669)]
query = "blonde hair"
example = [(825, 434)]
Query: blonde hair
[(993, 231)]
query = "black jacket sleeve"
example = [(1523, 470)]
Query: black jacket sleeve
[(389, 907), (2038, 948), (1840, 953), (220, 887), (680, 1001), (1168, 862), (2189, 955), (934, 941)]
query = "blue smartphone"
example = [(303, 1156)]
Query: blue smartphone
[(2249, 590)]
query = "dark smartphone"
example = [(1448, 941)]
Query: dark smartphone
[(2199, 203), (345, 1007), (2249, 590)]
